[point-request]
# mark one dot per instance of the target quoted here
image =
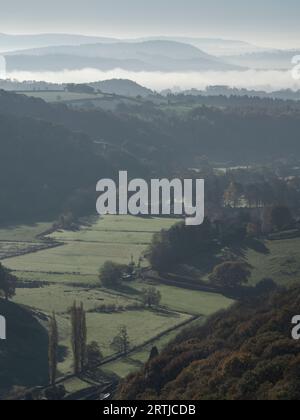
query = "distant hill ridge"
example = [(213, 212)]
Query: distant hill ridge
[(213, 46), (158, 55), (122, 87)]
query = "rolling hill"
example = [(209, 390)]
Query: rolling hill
[(168, 56), (122, 87), (267, 60), (10, 42), (237, 133), (42, 165), (214, 46)]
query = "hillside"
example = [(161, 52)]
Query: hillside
[(178, 134), (137, 56), (214, 46), (24, 355), (42, 167), (122, 87), (10, 42), (244, 353)]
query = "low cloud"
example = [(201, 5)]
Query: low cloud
[(251, 79)]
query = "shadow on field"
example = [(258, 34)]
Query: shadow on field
[(62, 353), (256, 245), (126, 289), (133, 362)]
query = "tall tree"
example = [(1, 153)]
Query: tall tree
[(281, 217), (78, 337), (153, 353), (83, 336), (74, 339), (7, 283), (53, 347)]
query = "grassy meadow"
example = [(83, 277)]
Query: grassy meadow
[(116, 238), (280, 261)]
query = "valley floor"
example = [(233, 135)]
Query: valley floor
[(53, 278)]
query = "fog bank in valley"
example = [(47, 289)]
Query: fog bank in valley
[(252, 79)]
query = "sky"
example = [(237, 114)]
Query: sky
[(264, 22)]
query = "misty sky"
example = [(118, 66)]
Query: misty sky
[(265, 22)]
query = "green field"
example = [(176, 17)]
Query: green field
[(141, 326), (8, 249), (59, 298), (80, 258), (280, 261), (190, 301), (69, 273), (23, 233), (116, 238), (16, 240), (57, 278)]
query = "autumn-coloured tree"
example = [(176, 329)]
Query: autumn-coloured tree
[(233, 194), (253, 229)]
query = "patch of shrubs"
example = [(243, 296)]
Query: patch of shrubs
[(114, 308)]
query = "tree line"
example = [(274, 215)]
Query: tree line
[(202, 244)]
